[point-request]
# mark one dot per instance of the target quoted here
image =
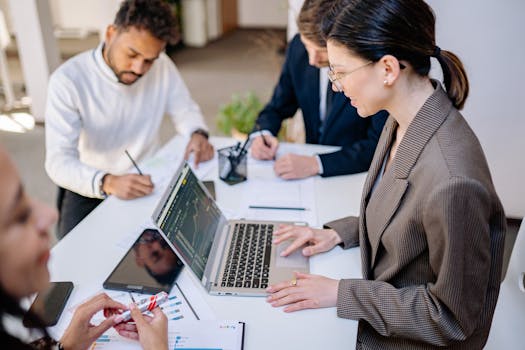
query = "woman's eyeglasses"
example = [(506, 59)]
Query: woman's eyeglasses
[(335, 77)]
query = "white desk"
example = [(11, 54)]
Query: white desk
[(89, 253)]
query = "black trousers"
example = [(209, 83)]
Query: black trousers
[(72, 208)]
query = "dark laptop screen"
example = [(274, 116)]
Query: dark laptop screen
[(189, 219)]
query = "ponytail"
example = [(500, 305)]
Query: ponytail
[(454, 77), (401, 28)]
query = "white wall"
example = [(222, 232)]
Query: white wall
[(92, 15), (262, 13), (294, 7), (488, 36)]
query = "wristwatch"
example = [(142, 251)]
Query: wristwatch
[(201, 132), (101, 186)]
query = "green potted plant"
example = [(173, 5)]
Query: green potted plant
[(237, 118)]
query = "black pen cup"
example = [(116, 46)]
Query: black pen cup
[(233, 165)]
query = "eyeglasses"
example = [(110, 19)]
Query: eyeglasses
[(335, 78)]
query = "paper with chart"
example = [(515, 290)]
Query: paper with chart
[(202, 335), (208, 335)]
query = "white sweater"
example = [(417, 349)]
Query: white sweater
[(91, 118)]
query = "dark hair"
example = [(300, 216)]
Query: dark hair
[(402, 28), (10, 306), (310, 19), (330, 16), (155, 16)]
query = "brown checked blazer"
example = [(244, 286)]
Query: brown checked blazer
[(431, 236)]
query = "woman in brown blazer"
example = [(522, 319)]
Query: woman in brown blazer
[(431, 227)]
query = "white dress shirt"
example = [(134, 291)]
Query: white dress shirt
[(91, 119), (323, 86)]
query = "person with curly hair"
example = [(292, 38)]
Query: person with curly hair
[(111, 99)]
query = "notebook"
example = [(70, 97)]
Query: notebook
[(228, 257)]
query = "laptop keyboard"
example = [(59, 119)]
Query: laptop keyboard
[(248, 261)]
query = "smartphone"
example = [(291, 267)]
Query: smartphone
[(210, 186), (49, 304)]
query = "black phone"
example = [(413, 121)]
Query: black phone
[(150, 266), (210, 186), (49, 304)]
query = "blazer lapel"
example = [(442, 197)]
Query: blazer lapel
[(382, 147), (377, 162), (380, 206)]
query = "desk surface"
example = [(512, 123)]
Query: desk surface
[(89, 253)]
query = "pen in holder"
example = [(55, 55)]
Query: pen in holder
[(233, 164)]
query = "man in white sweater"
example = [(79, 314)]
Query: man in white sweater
[(111, 99)]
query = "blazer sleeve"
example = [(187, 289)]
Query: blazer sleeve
[(355, 157), (456, 225), (348, 230), (283, 103)]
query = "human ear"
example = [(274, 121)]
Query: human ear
[(391, 68), (111, 30)]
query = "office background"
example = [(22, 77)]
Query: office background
[(238, 44)]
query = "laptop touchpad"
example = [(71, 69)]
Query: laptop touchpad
[(294, 260)]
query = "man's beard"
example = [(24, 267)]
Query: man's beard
[(121, 73)]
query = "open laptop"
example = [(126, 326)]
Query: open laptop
[(229, 257)]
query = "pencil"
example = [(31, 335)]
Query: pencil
[(275, 208), (132, 161)]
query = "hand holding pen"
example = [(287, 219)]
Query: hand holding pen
[(128, 186), (264, 145), (149, 330)]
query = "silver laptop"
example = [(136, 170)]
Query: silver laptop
[(229, 257)]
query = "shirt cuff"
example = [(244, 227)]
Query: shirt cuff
[(260, 132), (320, 164), (97, 178)]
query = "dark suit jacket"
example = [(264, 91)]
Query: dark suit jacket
[(298, 87), (431, 236)]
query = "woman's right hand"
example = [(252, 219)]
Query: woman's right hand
[(316, 240), (151, 332)]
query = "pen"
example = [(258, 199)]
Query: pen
[(277, 208), (262, 135), (132, 161), (131, 296), (242, 151), (147, 305)]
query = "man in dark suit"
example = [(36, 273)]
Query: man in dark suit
[(329, 118)]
